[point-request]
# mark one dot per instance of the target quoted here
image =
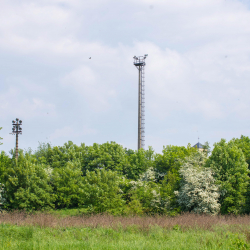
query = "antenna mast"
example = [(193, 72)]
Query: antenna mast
[(139, 62), (16, 129)]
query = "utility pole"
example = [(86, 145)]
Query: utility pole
[(139, 62), (16, 130)]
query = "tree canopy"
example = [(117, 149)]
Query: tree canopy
[(231, 172), (110, 178)]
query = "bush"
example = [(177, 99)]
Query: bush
[(198, 192), (148, 193), (101, 191), (27, 186), (67, 183)]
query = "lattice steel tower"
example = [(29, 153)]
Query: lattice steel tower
[(139, 62)]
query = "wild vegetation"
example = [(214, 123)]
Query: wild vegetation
[(19, 230), (107, 178), (105, 196)]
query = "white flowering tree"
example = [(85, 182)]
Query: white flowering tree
[(198, 192)]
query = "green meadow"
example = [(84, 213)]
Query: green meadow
[(33, 237), (46, 231)]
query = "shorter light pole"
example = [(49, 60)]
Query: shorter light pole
[(16, 130)]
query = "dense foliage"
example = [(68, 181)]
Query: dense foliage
[(109, 178), (198, 192), (101, 191), (27, 185), (231, 172)]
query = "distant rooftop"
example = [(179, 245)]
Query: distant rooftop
[(198, 145)]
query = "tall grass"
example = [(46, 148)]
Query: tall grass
[(25, 237), (186, 220), (19, 230)]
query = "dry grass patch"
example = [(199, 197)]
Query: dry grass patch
[(183, 221)]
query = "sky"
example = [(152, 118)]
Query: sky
[(197, 71)]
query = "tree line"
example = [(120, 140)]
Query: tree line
[(109, 178)]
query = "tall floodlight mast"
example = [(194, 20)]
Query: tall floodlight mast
[(139, 62), (16, 130)]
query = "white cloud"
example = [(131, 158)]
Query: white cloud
[(197, 70), (91, 87), (69, 132), (12, 103)]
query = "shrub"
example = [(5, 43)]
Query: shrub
[(101, 191), (198, 192), (27, 186), (67, 183), (148, 193)]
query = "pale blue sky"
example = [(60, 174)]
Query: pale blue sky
[(197, 72)]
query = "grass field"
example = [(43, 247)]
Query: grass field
[(188, 231)]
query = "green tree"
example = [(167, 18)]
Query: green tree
[(44, 153), (244, 144), (27, 185), (169, 185), (58, 156), (138, 162), (171, 159), (231, 174), (109, 155), (67, 182), (5, 163), (101, 191), (167, 166)]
